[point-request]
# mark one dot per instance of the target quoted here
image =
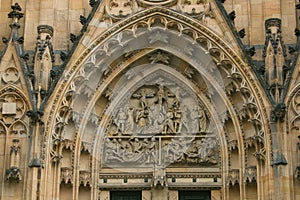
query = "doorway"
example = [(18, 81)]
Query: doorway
[(125, 195), (194, 195)]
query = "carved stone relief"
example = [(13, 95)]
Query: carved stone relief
[(160, 124), (161, 150), (13, 173), (15, 154), (85, 178), (121, 8), (13, 114), (158, 109), (196, 8), (11, 75), (250, 174), (66, 175), (134, 118), (233, 177)]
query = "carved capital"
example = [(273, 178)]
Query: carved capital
[(159, 179), (233, 177), (85, 178), (250, 174), (66, 175)]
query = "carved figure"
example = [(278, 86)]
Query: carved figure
[(160, 94), (142, 118), (198, 117), (130, 120), (195, 119), (175, 150), (112, 150), (202, 120), (142, 98), (15, 154), (184, 122), (192, 152), (137, 145), (176, 100), (210, 149), (169, 124), (156, 118), (177, 119), (121, 120), (150, 150)]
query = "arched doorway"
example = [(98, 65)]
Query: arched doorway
[(160, 103)]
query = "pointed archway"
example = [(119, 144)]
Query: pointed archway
[(114, 70)]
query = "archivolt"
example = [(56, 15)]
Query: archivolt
[(113, 41)]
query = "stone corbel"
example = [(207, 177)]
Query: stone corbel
[(232, 145), (85, 178), (233, 177), (250, 175), (13, 174), (159, 180), (66, 175)]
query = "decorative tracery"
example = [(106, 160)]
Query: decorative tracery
[(133, 114)]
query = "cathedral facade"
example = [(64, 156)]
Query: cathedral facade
[(149, 99)]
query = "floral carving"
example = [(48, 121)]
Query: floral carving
[(250, 174), (121, 8), (85, 178), (233, 177), (66, 175)]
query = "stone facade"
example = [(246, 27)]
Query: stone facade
[(147, 96)]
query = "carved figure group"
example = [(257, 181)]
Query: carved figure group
[(143, 151), (133, 150), (159, 110), (193, 151)]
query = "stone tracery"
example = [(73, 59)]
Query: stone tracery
[(119, 125)]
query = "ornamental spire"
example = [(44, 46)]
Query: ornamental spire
[(15, 15)]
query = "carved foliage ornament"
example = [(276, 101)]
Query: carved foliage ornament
[(200, 8), (66, 175), (156, 2), (121, 8)]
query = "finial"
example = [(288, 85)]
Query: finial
[(15, 15)]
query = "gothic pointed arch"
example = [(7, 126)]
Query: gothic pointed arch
[(162, 59)]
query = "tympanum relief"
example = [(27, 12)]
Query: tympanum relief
[(160, 125), (157, 109)]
